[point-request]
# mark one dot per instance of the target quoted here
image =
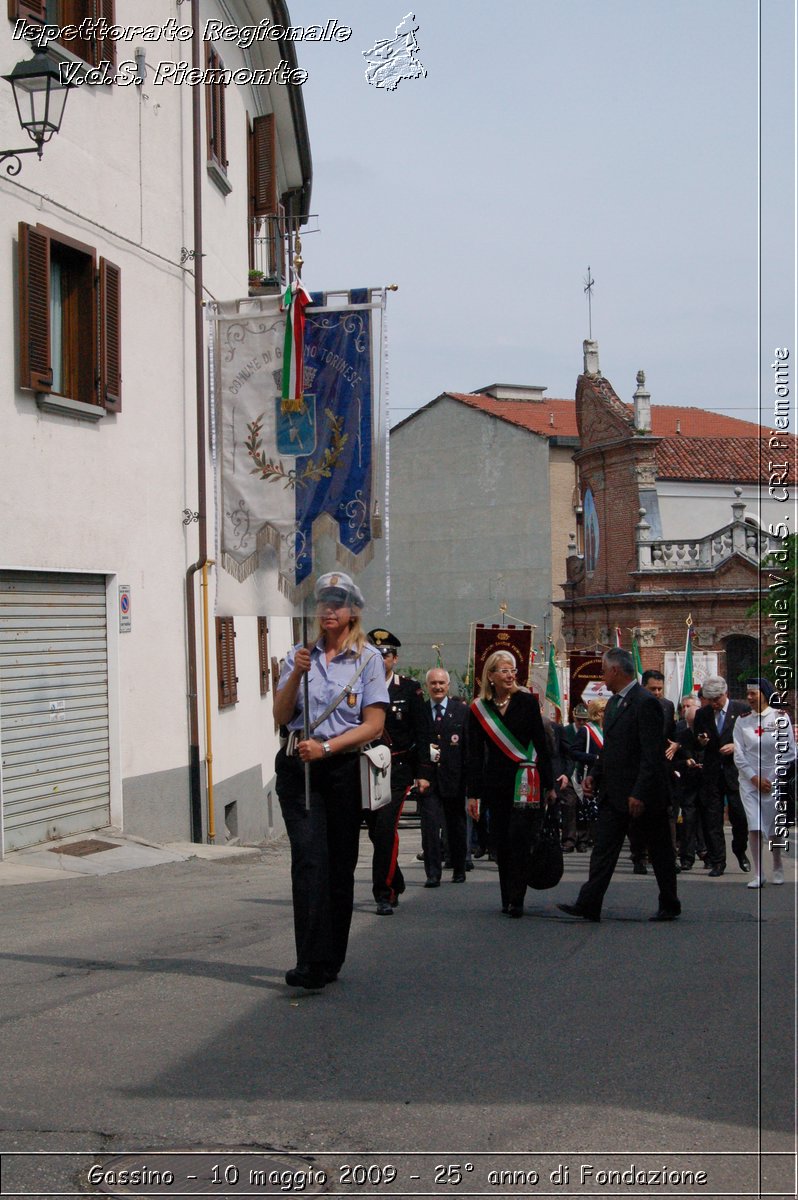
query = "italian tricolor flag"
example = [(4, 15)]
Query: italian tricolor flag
[(295, 302)]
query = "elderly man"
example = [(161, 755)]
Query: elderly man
[(441, 778), (713, 730), (629, 778)]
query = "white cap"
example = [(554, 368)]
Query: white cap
[(335, 585)]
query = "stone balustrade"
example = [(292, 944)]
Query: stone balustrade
[(700, 554)]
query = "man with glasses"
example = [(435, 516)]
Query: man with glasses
[(402, 722)]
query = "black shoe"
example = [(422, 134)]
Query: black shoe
[(568, 847), (716, 871), (574, 910), (678, 867), (743, 861), (458, 877), (686, 866), (384, 908), (664, 914), (515, 910), (311, 978), (640, 868), (479, 852), (433, 883), (330, 974), (420, 856), (469, 865)]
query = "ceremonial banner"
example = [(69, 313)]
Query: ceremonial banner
[(292, 471), (515, 639), (584, 669)]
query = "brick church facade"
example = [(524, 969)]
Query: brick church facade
[(623, 574)]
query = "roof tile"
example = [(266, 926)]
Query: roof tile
[(696, 444)]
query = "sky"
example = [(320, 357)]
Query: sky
[(549, 136)]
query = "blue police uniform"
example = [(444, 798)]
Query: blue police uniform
[(325, 841)]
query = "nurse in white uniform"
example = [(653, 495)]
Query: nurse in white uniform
[(764, 744)]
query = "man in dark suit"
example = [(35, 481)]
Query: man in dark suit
[(713, 729), (441, 778), (629, 779)]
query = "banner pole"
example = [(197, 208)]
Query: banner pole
[(306, 704)]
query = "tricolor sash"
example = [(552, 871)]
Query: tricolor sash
[(527, 778), (595, 735)]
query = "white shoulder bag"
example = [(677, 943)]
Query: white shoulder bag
[(375, 776)]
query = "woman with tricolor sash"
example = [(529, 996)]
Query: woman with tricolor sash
[(509, 772)]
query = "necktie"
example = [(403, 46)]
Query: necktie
[(612, 708), (438, 713), (719, 721)]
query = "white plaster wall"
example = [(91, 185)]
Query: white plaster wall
[(109, 497), (693, 510)]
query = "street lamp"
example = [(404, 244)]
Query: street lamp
[(40, 96)]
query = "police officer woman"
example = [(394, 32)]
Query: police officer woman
[(347, 702)]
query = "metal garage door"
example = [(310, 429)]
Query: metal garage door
[(53, 706)]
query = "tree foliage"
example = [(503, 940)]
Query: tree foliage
[(776, 606)]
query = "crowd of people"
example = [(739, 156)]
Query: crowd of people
[(483, 776)]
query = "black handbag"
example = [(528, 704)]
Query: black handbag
[(545, 866)]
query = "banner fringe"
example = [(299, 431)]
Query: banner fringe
[(240, 570), (354, 562)]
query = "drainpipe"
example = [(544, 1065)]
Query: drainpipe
[(195, 788)]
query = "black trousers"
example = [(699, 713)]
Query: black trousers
[(612, 827), (513, 830), (387, 880), (689, 831), (324, 851), (447, 812), (711, 806)]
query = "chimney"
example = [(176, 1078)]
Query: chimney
[(591, 358), (529, 392), (642, 400)]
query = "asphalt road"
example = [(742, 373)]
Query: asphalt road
[(146, 1011)]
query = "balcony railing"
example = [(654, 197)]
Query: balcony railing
[(269, 249), (701, 554)]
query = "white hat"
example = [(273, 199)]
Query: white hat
[(335, 585)]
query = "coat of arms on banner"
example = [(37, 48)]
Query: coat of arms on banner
[(293, 469)]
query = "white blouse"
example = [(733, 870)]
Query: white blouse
[(757, 740)]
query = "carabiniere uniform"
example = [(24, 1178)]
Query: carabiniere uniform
[(401, 736)]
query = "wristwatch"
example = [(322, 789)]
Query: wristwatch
[(327, 748)]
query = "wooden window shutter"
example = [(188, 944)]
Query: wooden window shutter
[(226, 662), (27, 10), (264, 166), (263, 656), (105, 48), (110, 357), (35, 366), (215, 111)]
